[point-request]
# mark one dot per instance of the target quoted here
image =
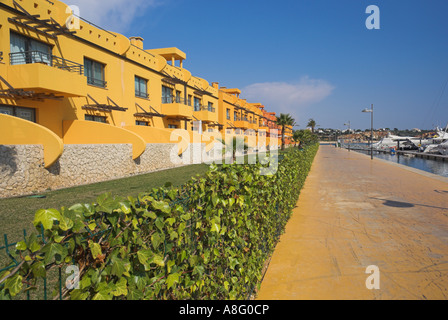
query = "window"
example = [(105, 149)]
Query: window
[(210, 107), (172, 126), (27, 50), (141, 87), (178, 98), (235, 116), (228, 114), (90, 117), (94, 71), (197, 104), (141, 123), (19, 112), (167, 95), (189, 100)]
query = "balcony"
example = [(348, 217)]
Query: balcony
[(253, 125), (18, 58), (242, 123), (206, 114), (176, 107), (45, 73)]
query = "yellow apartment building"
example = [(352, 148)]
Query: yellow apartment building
[(72, 81), (240, 118), (65, 82)]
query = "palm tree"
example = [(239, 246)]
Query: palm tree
[(311, 124), (284, 120), (297, 136), (305, 137)]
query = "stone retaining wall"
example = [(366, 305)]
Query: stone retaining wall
[(22, 170)]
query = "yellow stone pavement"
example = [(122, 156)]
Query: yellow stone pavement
[(353, 213)]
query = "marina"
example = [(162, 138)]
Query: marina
[(432, 163), (429, 154)]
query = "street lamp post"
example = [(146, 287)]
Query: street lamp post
[(349, 131), (371, 130)]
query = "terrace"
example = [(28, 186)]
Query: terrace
[(38, 75), (176, 107), (28, 57)]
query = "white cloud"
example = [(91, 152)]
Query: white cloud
[(114, 15), (283, 97)]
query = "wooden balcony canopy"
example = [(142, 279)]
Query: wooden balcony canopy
[(103, 107), (216, 124), (171, 81), (201, 92), (240, 108), (147, 114), (48, 27)]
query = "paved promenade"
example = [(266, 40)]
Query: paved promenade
[(353, 213)]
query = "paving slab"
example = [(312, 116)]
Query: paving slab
[(354, 213)]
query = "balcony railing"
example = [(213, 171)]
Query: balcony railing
[(97, 82), (28, 57), (204, 108), (173, 99), (141, 94)]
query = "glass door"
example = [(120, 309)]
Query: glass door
[(26, 50)]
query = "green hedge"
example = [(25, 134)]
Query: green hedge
[(208, 240)]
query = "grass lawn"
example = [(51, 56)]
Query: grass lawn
[(17, 214)]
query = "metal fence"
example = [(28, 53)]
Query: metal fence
[(15, 264), (27, 57)]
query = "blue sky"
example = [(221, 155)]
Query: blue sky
[(310, 58)]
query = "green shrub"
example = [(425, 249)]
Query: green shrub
[(208, 240)]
